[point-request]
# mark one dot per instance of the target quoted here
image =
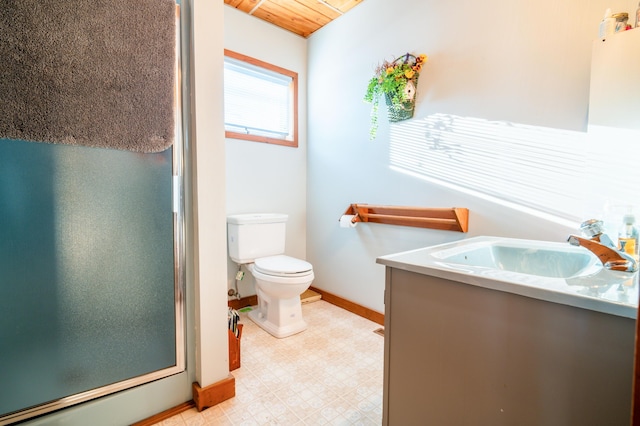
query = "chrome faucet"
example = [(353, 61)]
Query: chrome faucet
[(601, 245)]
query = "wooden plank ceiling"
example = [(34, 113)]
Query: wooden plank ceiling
[(301, 17)]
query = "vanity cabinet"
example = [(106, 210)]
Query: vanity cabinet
[(461, 354)]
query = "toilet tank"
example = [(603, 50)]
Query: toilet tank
[(251, 236)]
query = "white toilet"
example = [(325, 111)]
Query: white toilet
[(257, 241)]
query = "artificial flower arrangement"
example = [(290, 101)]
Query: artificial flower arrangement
[(397, 81)]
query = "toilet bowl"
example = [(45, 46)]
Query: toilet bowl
[(280, 280)]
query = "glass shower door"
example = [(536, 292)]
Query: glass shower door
[(89, 294)]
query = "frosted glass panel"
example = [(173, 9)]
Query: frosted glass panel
[(86, 269)]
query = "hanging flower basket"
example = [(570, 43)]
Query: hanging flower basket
[(397, 81)]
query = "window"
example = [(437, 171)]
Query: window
[(260, 101)]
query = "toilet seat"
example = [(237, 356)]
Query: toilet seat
[(282, 266)]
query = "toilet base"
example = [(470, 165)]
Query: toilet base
[(257, 316)]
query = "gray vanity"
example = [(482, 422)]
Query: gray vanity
[(496, 331)]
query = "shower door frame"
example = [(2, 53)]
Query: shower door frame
[(178, 275)]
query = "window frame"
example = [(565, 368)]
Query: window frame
[(292, 140)]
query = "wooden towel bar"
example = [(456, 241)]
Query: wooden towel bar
[(448, 219)]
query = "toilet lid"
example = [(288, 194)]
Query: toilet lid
[(282, 266)]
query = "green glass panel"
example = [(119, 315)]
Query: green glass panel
[(86, 269)]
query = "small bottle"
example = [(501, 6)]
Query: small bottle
[(607, 26), (628, 235), (621, 21)]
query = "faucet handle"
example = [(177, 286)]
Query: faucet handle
[(592, 228)]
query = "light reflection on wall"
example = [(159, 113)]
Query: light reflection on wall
[(560, 174)]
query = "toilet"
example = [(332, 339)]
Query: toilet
[(257, 241)]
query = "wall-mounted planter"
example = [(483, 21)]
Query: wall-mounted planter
[(397, 81), (399, 112)]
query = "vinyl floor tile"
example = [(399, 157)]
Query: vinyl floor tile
[(330, 374)]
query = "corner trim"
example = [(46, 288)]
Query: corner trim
[(352, 307), (213, 394)]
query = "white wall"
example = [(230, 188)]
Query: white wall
[(518, 61), (263, 177)]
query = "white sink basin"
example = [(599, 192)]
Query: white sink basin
[(544, 259)]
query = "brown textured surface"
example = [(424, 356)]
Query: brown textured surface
[(88, 72), (302, 17)]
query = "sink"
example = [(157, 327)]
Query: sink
[(547, 270), (535, 258)]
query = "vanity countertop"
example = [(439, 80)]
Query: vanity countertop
[(590, 286)]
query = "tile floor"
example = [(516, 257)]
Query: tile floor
[(330, 374)]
